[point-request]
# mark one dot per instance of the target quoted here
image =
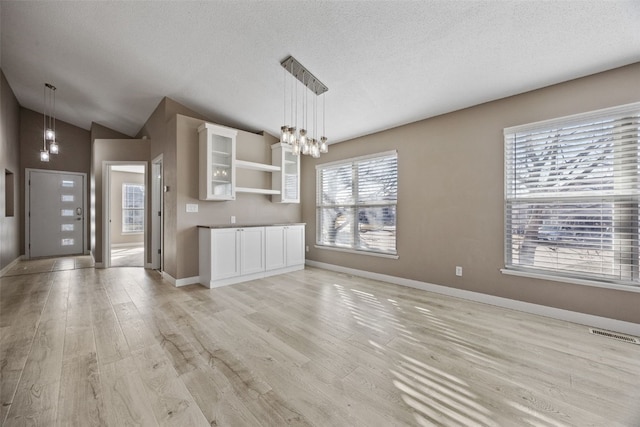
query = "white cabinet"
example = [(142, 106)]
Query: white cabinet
[(233, 255), (217, 162), (284, 246), (230, 255), (286, 180)]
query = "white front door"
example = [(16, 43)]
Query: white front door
[(56, 213)]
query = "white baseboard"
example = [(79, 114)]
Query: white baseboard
[(248, 277), (98, 264), (10, 265), (180, 282), (541, 310), (148, 265)]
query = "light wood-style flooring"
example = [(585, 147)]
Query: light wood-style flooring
[(128, 256), (122, 347)]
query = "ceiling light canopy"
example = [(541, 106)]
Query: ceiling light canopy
[(305, 140)]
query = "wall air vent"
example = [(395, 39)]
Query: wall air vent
[(615, 336)]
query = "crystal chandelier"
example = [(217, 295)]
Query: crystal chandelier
[(305, 140), (49, 123)]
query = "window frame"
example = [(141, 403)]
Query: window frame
[(583, 278), (355, 205), (126, 209)]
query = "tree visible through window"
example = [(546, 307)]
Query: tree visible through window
[(132, 208), (356, 203), (572, 193)]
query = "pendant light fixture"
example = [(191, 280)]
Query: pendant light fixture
[(304, 141), (49, 124)]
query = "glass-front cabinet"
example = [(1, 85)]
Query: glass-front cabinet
[(217, 162), (287, 179)]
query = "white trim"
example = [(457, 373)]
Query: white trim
[(573, 280), (180, 282), (148, 266), (541, 310), (10, 265), (98, 264), (357, 252), (580, 117), (355, 159)]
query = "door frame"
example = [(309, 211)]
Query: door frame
[(157, 213), (106, 207), (27, 210)]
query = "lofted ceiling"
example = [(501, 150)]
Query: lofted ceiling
[(386, 63)]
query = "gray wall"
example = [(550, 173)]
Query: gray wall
[(450, 200), (10, 236), (163, 141)]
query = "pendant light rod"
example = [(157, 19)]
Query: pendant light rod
[(307, 78)]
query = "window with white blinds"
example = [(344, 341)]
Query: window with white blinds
[(356, 203), (571, 196), (132, 208)]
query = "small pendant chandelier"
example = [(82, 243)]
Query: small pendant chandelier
[(49, 124), (304, 141)]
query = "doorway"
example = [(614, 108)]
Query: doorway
[(125, 213), (55, 213)]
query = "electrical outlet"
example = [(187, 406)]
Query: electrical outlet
[(233, 219), (307, 248), (192, 207), (458, 270)]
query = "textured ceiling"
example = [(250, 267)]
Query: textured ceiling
[(386, 63)]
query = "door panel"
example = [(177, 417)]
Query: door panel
[(295, 245), (225, 253), (56, 215), (274, 248), (252, 250)]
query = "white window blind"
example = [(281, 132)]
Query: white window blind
[(356, 203), (571, 196), (132, 208)]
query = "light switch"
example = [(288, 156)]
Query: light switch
[(192, 207)]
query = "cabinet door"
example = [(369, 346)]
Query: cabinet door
[(275, 256), (287, 179), (294, 236), (290, 177), (217, 162), (225, 253), (251, 250)]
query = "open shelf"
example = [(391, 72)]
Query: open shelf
[(256, 166), (256, 190)]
